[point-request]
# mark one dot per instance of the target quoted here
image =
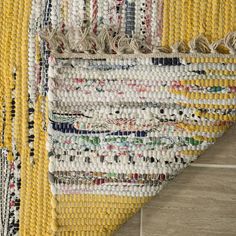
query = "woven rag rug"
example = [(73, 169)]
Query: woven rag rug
[(105, 101)]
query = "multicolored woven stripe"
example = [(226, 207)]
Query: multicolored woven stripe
[(9, 195), (105, 101)]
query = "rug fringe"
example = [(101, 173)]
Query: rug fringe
[(82, 40)]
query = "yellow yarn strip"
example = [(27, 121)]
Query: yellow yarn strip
[(191, 152), (35, 209), (201, 96), (209, 59), (35, 214), (7, 68), (209, 82), (102, 216), (199, 128), (221, 72), (213, 18)]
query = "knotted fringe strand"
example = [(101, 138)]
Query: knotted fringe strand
[(72, 41)]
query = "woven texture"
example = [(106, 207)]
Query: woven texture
[(9, 194), (103, 102)]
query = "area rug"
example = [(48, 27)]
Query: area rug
[(103, 102)]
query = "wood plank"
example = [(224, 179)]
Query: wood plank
[(131, 228), (223, 151), (200, 201)]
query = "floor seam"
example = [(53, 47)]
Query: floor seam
[(141, 222), (213, 166)]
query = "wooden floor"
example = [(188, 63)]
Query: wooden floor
[(201, 201)]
